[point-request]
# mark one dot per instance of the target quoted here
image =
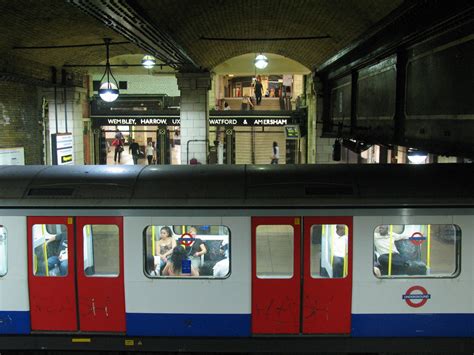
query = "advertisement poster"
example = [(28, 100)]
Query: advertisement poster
[(12, 156), (62, 149)]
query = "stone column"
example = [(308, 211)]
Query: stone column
[(194, 115), (70, 111)]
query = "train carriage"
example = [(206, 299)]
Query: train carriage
[(327, 256)]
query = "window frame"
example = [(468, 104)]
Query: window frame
[(292, 253), (93, 251), (6, 250), (457, 250), (200, 236)]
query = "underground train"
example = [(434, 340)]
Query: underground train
[(237, 258)]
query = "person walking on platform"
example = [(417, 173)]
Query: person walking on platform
[(258, 89), (276, 153), (118, 144), (150, 152), (135, 149)]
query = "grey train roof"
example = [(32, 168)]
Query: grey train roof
[(219, 186)]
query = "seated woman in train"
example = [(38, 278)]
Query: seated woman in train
[(164, 247), (174, 267)]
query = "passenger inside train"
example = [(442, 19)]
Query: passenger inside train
[(340, 250), (164, 248), (329, 247), (386, 251), (206, 248), (179, 264), (50, 244), (416, 250)]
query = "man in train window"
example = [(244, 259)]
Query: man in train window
[(339, 252), (384, 246)]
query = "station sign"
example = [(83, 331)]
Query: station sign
[(250, 121)]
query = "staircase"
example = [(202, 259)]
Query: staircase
[(268, 104)]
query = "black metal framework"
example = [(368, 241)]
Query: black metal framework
[(400, 78), (127, 19)]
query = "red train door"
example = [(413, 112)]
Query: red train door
[(52, 281), (276, 275), (325, 282), (89, 251), (327, 287), (100, 279)]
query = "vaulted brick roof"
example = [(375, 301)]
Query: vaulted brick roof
[(189, 23), (50, 23)]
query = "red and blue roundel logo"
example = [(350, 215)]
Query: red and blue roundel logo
[(416, 296)]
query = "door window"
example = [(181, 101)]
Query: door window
[(50, 250), (329, 248), (275, 251), (101, 245)]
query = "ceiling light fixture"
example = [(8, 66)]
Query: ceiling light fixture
[(148, 61), (108, 90), (261, 61), (417, 156)]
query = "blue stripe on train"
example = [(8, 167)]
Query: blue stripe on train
[(412, 325), (14, 322), (238, 325)]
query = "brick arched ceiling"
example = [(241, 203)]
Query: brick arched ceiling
[(185, 26), (52, 23), (189, 22)]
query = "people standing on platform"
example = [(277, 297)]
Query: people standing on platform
[(135, 150), (258, 89), (276, 153), (118, 144), (288, 98), (150, 152), (226, 106)]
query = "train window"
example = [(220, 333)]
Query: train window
[(187, 251), (409, 250), (275, 251), (329, 247), (101, 250), (50, 250), (3, 251)]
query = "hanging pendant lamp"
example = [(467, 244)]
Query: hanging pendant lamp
[(261, 61), (108, 90)]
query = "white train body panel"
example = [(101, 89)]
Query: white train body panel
[(163, 300), (14, 302)]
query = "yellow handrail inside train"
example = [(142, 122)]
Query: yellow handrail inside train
[(428, 251), (153, 240), (45, 252), (390, 252), (346, 253), (333, 231)]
